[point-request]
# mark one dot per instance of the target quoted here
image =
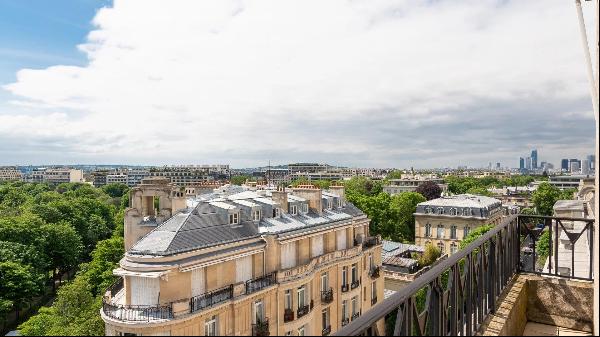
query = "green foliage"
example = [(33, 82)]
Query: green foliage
[(115, 190), (391, 216), (322, 184), (546, 196), (474, 235), (542, 246), (430, 190), (479, 191), (460, 185), (18, 283), (429, 256), (395, 174), (239, 180)]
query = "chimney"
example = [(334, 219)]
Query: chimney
[(312, 194), (280, 196), (339, 190)]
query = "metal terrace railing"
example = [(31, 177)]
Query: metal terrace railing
[(206, 300), (458, 294), (137, 313), (261, 283)]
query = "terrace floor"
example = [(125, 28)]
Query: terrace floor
[(537, 329)]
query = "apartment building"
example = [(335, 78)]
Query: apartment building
[(62, 175), (566, 182), (9, 173), (183, 176), (116, 178), (410, 183), (445, 221), (236, 262), (514, 195)]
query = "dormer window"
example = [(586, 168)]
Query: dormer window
[(234, 218), (453, 211), (275, 212), (256, 215), (294, 210), (304, 208), (440, 210)]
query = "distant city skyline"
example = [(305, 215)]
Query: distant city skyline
[(95, 82)]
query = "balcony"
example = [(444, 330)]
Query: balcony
[(288, 315), (497, 286), (345, 288), (261, 328), (209, 299), (371, 241), (302, 311), (327, 296), (355, 284), (261, 283), (326, 259), (137, 313), (355, 316), (345, 321), (374, 272), (326, 331)]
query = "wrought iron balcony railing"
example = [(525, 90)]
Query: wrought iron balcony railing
[(209, 299), (261, 328), (371, 241), (288, 315), (326, 331), (355, 316), (355, 284), (455, 296), (261, 283), (327, 296), (137, 313), (345, 321), (345, 288), (374, 272), (302, 311)]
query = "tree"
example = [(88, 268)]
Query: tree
[(430, 190), (545, 197), (401, 210), (474, 235), (115, 190), (239, 180), (18, 283), (395, 174), (430, 254), (479, 191), (63, 248)]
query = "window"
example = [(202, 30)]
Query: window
[(301, 297), (354, 305), (294, 210), (256, 215), (453, 211), (466, 231), (440, 210), (440, 231), (344, 275), (453, 232), (466, 211), (428, 210), (371, 262), (428, 230), (301, 331), (234, 218), (304, 208), (354, 273), (243, 269), (441, 247), (453, 248), (344, 310), (259, 312), (340, 202), (374, 290), (288, 299), (275, 212), (210, 327), (325, 318), (324, 282)]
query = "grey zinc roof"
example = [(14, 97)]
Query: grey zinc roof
[(191, 229)]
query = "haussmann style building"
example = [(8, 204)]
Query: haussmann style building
[(236, 262)]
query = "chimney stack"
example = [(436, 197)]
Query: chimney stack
[(339, 190), (281, 197), (311, 193)]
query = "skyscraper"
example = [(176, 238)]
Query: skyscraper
[(534, 159), (592, 160), (528, 163), (564, 164), (521, 163)]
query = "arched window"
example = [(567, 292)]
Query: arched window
[(441, 247), (453, 248)]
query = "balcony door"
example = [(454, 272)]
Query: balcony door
[(301, 297), (324, 282), (259, 312)]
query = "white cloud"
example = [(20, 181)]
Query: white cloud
[(205, 81)]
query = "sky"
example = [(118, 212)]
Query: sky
[(364, 83)]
